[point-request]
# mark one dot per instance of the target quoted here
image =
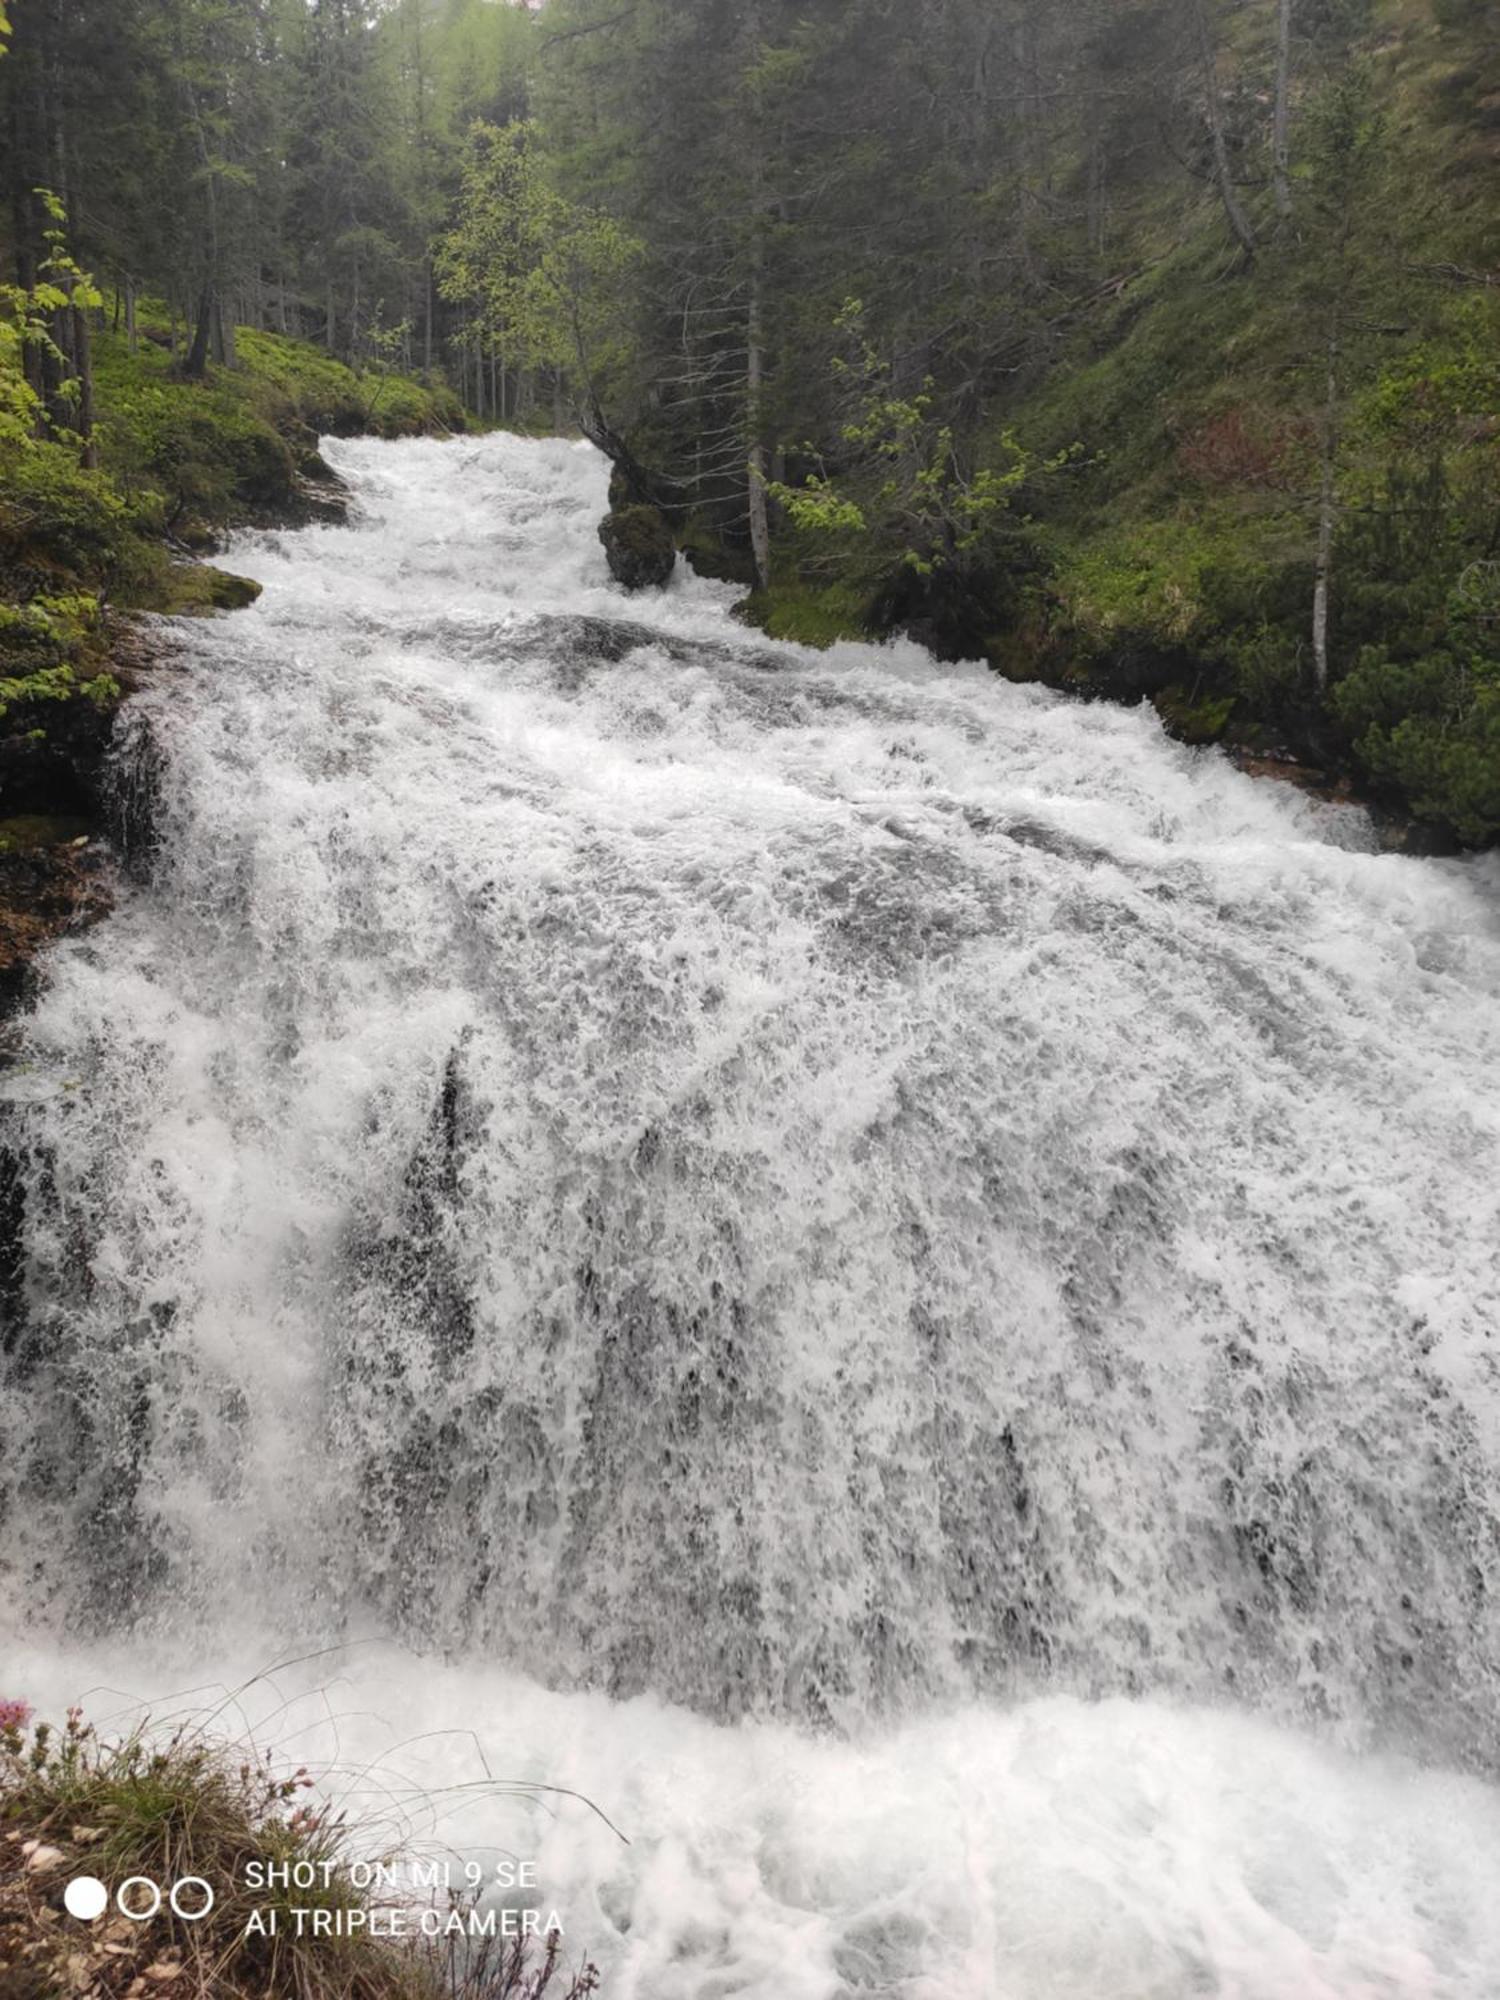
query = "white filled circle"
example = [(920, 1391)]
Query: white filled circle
[(85, 1898)]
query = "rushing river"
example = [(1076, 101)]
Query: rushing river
[(892, 1276)]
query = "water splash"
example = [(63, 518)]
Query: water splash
[(814, 1186)]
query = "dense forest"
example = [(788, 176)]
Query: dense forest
[(1145, 347)]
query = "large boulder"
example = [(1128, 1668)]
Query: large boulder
[(639, 547)]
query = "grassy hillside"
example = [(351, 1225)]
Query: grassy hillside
[(1174, 556)]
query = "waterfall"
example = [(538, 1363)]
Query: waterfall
[(824, 1191)]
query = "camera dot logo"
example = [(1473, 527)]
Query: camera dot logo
[(85, 1898), (139, 1898)]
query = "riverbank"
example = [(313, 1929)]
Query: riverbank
[(1292, 746), (1251, 480), (83, 549)]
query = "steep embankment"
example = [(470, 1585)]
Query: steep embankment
[(81, 548)]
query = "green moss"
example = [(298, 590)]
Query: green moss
[(330, 397), (51, 652), (1192, 717), (30, 831), (809, 614), (61, 525), (232, 447), (639, 546), (193, 590)]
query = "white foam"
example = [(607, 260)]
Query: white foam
[(1052, 1851), (818, 1187)]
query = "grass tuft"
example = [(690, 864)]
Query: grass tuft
[(74, 1804)]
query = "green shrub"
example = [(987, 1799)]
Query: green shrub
[(56, 517), (1431, 728)]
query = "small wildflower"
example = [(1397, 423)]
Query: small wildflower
[(15, 1714)]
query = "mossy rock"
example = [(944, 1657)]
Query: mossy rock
[(710, 555), (197, 536), (639, 547), (805, 614), (29, 831), (1194, 721), (193, 590), (1020, 656)]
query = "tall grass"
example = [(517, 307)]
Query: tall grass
[(190, 1804)]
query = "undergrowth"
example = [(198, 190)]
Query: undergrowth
[(191, 1805)]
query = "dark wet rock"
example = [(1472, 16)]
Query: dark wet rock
[(579, 644), (320, 494), (57, 863), (54, 877), (639, 547)]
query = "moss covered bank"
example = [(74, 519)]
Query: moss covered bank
[(84, 546)]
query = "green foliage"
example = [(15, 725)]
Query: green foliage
[(1176, 578), (818, 507), (1442, 390), (809, 614), (41, 647), (1194, 719), (58, 521), (284, 378), (1431, 728), (202, 448), (543, 275), (1422, 703), (230, 448), (917, 488), (28, 316)]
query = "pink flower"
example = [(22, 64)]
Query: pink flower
[(15, 1714)]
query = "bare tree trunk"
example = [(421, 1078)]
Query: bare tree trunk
[(130, 332), (196, 365), (760, 526), (1281, 145), (1239, 222), (1327, 517), (221, 334), (330, 322)]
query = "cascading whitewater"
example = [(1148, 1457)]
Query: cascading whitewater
[(819, 1187), (803, 1184)]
